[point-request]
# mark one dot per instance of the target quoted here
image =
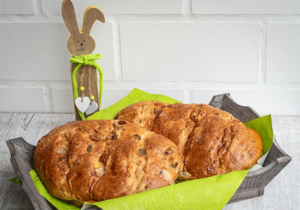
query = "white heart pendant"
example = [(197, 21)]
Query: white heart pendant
[(82, 105), (92, 108)]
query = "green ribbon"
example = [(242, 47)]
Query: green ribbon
[(86, 60)]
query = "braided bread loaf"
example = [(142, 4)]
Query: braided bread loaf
[(210, 141), (98, 160)]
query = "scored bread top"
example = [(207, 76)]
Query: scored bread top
[(103, 159), (142, 113), (211, 141), (220, 145)]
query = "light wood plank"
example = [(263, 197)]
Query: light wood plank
[(31, 127), (41, 124), (12, 196)]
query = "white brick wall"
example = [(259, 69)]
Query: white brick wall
[(26, 99), (283, 53), (16, 7), (190, 51), (38, 51), (117, 7), (246, 7), (187, 49), (264, 102), (63, 98)]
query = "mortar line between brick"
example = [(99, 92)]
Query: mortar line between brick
[(262, 53), (188, 96), (37, 7), (191, 7), (187, 7), (117, 51), (266, 45)]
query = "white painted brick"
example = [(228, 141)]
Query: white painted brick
[(283, 53), (245, 7), (112, 96), (22, 100), (191, 51), (63, 98), (264, 102), (176, 94), (16, 7), (119, 6), (38, 51)]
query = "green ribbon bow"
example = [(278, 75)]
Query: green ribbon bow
[(86, 60)]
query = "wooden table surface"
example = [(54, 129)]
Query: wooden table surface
[(282, 193)]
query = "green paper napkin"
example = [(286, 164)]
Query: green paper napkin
[(208, 193), (15, 180), (263, 126), (211, 193), (134, 96), (59, 204)]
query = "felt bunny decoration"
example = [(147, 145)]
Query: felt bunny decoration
[(83, 67)]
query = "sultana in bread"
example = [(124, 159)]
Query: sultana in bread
[(211, 141), (97, 160)]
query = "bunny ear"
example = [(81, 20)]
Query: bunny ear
[(69, 16), (90, 16)]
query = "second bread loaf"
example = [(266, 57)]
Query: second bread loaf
[(211, 141)]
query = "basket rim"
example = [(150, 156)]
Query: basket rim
[(218, 100)]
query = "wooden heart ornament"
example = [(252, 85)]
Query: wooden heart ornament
[(92, 108), (82, 104)]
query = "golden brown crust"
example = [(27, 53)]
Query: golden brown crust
[(218, 145), (174, 122), (210, 140), (142, 113), (99, 160)]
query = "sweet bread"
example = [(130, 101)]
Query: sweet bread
[(210, 141), (97, 160)]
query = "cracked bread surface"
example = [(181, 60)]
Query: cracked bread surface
[(218, 146), (142, 113), (96, 160), (211, 141), (174, 122)]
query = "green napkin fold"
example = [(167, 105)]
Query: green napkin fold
[(59, 204), (134, 96), (15, 180), (207, 193), (263, 126)]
